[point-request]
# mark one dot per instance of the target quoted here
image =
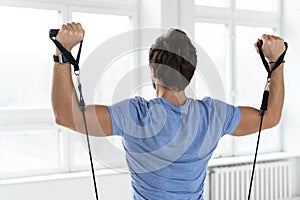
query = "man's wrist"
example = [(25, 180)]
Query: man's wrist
[(272, 64), (57, 52), (61, 58), (278, 71)]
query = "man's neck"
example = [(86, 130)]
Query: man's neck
[(176, 98)]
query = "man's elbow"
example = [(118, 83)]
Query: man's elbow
[(273, 122), (63, 121), (59, 121)]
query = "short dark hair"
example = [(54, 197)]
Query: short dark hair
[(173, 58)]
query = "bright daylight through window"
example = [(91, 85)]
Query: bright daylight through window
[(229, 40)]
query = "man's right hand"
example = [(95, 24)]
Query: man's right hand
[(70, 35), (273, 47)]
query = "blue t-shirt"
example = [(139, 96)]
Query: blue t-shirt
[(168, 146)]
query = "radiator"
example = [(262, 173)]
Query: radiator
[(271, 181)]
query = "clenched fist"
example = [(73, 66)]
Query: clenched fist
[(273, 47), (70, 35)]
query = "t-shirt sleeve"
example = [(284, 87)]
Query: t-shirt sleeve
[(119, 113), (232, 119), (224, 118), (221, 119), (116, 129), (124, 115)]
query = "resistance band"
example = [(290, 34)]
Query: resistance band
[(264, 103), (75, 63)]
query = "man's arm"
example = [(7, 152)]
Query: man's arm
[(250, 117), (64, 100)]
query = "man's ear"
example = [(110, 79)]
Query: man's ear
[(153, 74)]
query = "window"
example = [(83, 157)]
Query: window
[(213, 39), (101, 28), (251, 78), (213, 3), (26, 70), (254, 5), (26, 62), (228, 38), (257, 5), (30, 142), (27, 151), (251, 74)]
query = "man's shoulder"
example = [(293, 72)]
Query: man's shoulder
[(140, 103)]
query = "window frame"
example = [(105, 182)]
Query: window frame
[(43, 118), (118, 11)]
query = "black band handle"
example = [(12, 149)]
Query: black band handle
[(266, 64), (264, 104), (52, 34), (260, 43)]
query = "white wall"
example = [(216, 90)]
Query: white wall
[(291, 32), (291, 121)]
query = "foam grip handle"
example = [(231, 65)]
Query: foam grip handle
[(259, 43), (286, 45), (265, 100), (53, 32)]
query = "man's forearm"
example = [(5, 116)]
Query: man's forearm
[(63, 95), (276, 98)]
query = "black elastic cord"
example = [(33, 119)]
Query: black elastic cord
[(256, 151), (264, 104), (82, 107), (75, 63), (79, 53)]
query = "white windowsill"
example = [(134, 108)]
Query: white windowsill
[(108, 172), (62, 176)]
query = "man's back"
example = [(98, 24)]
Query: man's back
[(168, 146)]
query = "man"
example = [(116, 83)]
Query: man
[(170, 139)]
